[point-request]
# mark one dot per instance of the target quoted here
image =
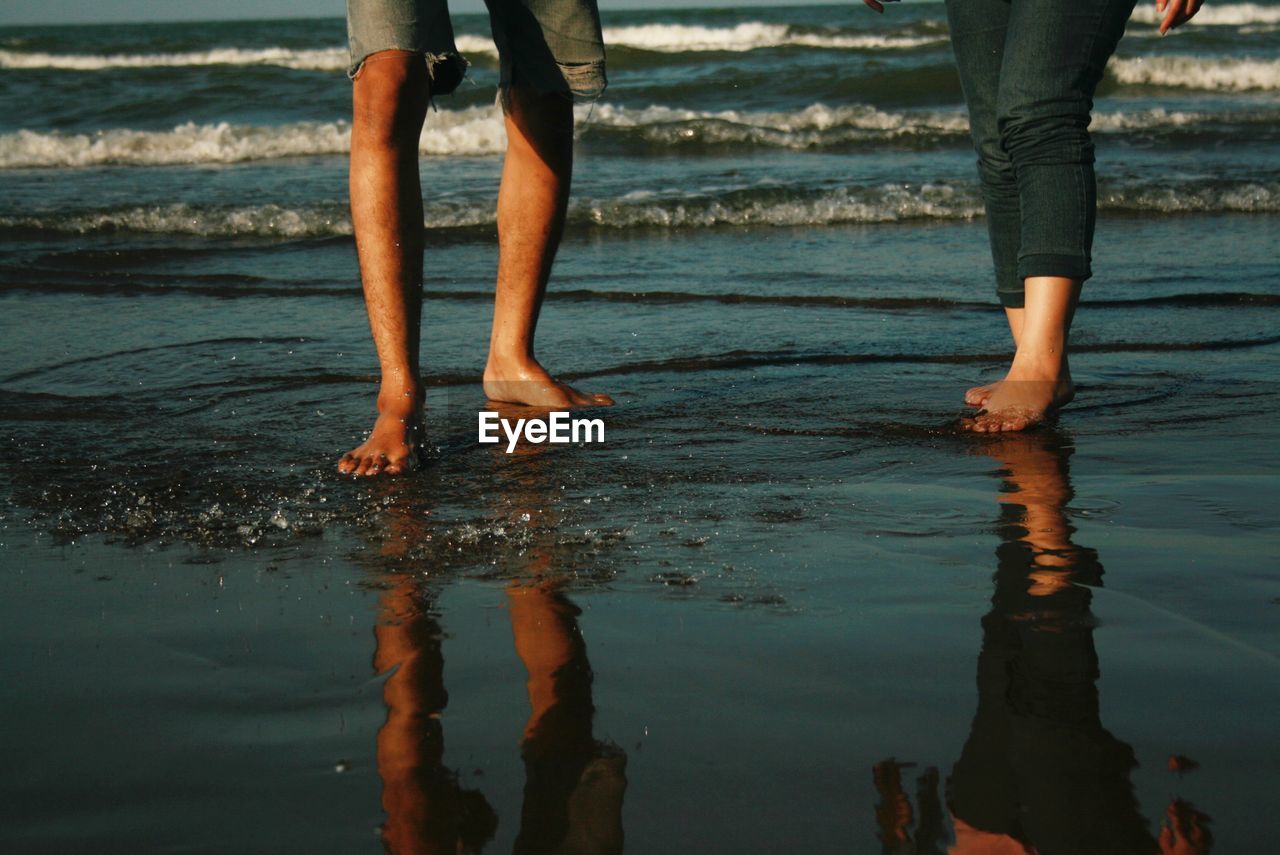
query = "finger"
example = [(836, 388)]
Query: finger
[(1193, 10), (1171, 12), (1160, 4), (874, 4)]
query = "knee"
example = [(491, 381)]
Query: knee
[(1058, 136), (994, 166), (390, 98)]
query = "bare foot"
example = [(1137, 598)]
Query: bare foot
[(392, 446), (1025, 398), (529, 383), (977, 396)]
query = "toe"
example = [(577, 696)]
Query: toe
[(347, 463), (1014, 423), (602, 399), (399, 465)]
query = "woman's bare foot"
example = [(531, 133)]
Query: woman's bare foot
[(392, 446), (529, 383), (1028, 396), (976, 396)]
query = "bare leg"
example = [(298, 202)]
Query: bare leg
[(1039, 381), (390, 99), (977, 396), (532, 203)]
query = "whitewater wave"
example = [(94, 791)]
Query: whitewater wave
[(751, 35), (1204, 198), (661, 38), (472, 131), (762, 206), (320, 59), (641, 209), (1219, 74), (478, 131), (1225, 15)]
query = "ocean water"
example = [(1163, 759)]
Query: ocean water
[(786, 603)]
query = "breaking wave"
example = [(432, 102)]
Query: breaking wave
[(1225, 15), (1221, 74), (321, 59), (478, 131), (770, 206), (660, 38), (752, 35)]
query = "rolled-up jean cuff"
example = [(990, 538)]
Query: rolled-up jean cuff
[(1046, 264), (1012, 299)]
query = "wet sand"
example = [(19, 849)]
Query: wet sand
[(785, 604)]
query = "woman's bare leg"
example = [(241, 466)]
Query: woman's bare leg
[(1039, 381)]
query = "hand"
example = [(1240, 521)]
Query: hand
[(879, 7), (1185, 830), (1176, 12)]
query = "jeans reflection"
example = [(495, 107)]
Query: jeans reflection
[(574, 784), (1039, 773)]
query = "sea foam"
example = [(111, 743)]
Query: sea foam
[(662, 38), (320, 59), (750, 35), (1225, 15), (1223, 74), (478, 131), (765, 205)]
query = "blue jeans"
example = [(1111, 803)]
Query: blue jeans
[(1029, 69), (554, 46)]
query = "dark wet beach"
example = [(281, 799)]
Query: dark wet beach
[(786, 604), (789, 566)]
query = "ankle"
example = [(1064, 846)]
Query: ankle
[(510, 360), (1041, 357), (400, 399)]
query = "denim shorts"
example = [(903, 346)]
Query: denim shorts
[(554, 46)]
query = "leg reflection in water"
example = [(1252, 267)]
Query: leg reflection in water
[(1039, 773), (574, 785), (427, 811)]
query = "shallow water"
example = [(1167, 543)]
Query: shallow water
[(783, 554), (786, 603)]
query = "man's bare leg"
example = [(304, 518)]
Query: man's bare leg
[(1039, 381), (390, 98), (532, 203)]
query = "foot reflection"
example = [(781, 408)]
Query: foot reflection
[(1039, 773), (574, 785)]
